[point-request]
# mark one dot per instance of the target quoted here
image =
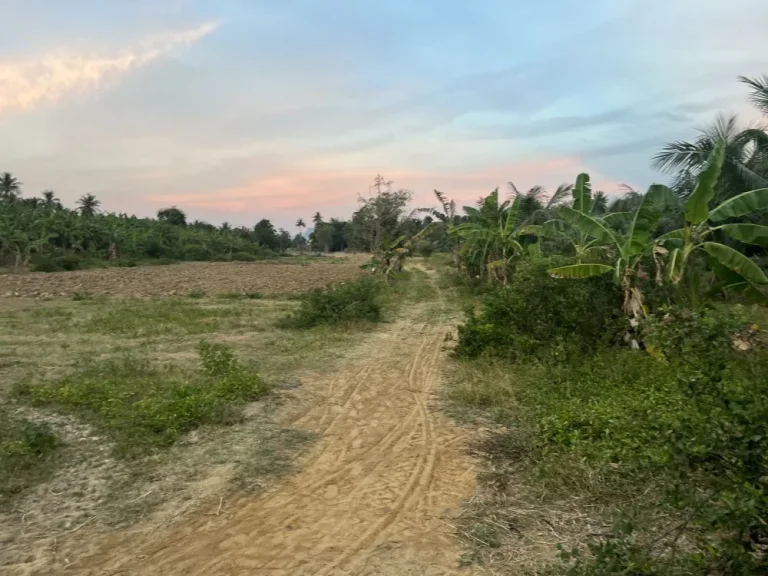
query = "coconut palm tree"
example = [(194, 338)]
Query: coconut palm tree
[(300, 224), (50, 200), (745, 158), (317, 219), (10, 187), (759, 96), (88, 204)]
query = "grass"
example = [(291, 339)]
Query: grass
[(27, 453), (129, 373), (142, 407), (656, 462)]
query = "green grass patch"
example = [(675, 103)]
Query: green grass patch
[(139, 318), (26, 453), (142, 406)]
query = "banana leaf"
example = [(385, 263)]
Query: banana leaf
[(741, 205), (697, 204), (736, 261)]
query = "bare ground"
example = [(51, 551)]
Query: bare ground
[(377, 494), (180, 279)]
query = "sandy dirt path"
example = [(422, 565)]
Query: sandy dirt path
[(374, 496)]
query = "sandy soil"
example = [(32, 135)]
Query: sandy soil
[(180, 279), (375, 496)]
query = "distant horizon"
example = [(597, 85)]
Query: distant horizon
[(237, 111)]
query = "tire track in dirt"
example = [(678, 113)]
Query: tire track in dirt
[(369, 499)]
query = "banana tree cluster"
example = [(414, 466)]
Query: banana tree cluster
[(490, 240), (671, 253)]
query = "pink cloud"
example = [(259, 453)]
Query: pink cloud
[(46, 79), (335, 193)]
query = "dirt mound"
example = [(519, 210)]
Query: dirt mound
[(180, 279)]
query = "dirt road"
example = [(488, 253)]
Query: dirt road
[(374, 496)]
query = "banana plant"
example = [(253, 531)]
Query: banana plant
[(583, 245), (703, 224), (492, 235), (626, 251)]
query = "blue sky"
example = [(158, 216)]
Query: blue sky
[(241, 109)]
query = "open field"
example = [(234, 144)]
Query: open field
[(181, 279), (380, 479)]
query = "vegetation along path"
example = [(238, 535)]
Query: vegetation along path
[(374, 496)]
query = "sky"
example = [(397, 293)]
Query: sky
[(237, 110)]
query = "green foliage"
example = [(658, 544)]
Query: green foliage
[(540, 315), (47, 237), (143, 407), (339, 303), (26, 448)]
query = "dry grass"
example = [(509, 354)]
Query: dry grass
[(44, 340)]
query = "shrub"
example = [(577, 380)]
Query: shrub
[(356, 300), (539, 315), (55, 263), (143, 407), (695, 424)]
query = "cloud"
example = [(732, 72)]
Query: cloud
[(285, 194), (46, 79)]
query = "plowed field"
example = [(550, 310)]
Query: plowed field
[(180, 279)]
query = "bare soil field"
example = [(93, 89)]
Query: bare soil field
[(181, 279)]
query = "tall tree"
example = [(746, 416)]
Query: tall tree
[(379, 215), (300, 225), (264, 233), (10, 187), (759, 96), (173, 216), (317, 219), (50, 200), (88, 204), (745, 164)]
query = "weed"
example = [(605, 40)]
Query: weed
[(197, 294), (80, 296), (143, 407), (26, 450)]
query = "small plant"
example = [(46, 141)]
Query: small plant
[(357, 300), (25, 449), (80, 296), (196, 294)]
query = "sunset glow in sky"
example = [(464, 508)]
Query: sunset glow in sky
[(242, 109)]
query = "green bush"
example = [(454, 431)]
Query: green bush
[(143, 407), (542, 316), (356, 300), (25, 450), (55, 263), (694, 423)]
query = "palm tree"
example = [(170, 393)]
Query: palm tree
[(88, 204), (759, 96), (599, 203), (317, 219), (745, 153), (50, 200), (300, 225), (10, 187)]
